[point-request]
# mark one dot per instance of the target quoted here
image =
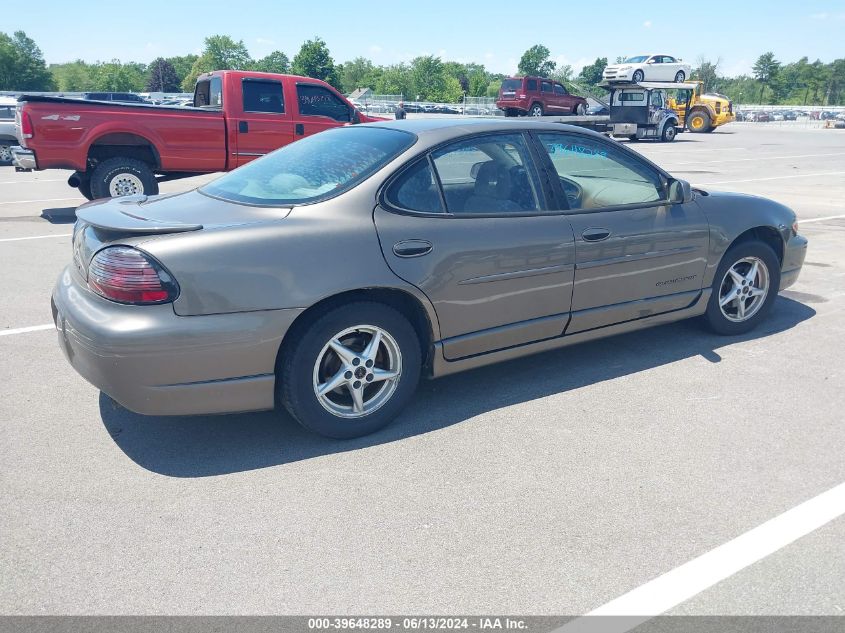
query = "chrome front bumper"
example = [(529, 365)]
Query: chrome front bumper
[(23, 159)]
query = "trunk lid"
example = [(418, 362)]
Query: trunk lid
[(132, 219)]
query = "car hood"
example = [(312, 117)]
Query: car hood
[(172, 213)]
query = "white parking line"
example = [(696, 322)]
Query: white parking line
[(24, 330), (682, 583), (34, 237), (830, 217), (756, 158), (727, 182), (44, 200), (29, 182)]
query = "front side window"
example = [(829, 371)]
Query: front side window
[(416, 190), (490, 174), (596, 175), (560, 90), (314, 168), (546, 86), (263, 96), (320, 101)]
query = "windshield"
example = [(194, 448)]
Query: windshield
[(314, 168), (511, 85), (636, 60)]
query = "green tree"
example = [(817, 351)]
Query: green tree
[(358, 73), (162, 76), (22, 65), (221, 52), (314, 60), (115, 76), (275, 62), (564, 74), (428, 81), (535, 61), (707, 71), (395, 80), (182, 65), (765, 70), (592, 73)]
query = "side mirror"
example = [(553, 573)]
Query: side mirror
[(650, 61), (355, 116), (680, 191)]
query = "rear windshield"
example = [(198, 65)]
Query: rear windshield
[(314, 168), (511, 85)]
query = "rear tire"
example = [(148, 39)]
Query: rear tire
[(310, 361), (536, 110), (580, 109), (121, 176), (680, 76), (729, 319), (5, 154)]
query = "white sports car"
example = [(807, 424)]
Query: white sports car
[(648, 68)]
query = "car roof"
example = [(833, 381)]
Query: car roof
[(442, 129)]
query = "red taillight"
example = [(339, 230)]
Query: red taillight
[(27, 130), (126, 275)]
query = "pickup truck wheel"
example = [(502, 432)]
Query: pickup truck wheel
[(536, 110), (699, 121), (5, 154), (119, 176)]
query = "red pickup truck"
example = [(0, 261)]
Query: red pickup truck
[(123, 149)]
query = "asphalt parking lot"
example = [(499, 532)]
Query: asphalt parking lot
[(547, 485)]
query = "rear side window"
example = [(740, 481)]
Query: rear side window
[(531, 84), (320, 101), (263, 96), (7, 112), (632, 96), (209, 93), (416, 190)]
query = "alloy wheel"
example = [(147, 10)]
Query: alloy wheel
[(5, 153), (357, 371), (744, 289)]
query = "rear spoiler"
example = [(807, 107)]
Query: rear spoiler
[(106, 215)]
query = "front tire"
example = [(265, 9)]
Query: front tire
[(744, 288), (638, 76), (669, 133), (350, 372), (699, 121), (119, 176), (536, 110), (5, 154)]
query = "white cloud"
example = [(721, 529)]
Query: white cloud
[(264, 41), (825, 16), (647, 24), (375, 49)]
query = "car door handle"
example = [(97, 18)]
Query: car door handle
[(595, 234), (299, 129), (412, 248), (243, 127)]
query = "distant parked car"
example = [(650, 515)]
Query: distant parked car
[(537, 96), (790, 115), (648, 68), (598, 109), (777, 116), (7, 129), (763, 117), (121, 97)]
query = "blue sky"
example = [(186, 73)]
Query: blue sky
[(398, 30)]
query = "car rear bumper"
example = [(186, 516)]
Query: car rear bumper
[(513, 104), (23, 158), (793, 260), (155, 362)]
